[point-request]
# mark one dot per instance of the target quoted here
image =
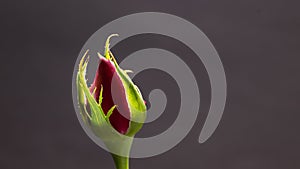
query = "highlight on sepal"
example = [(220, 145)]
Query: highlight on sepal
[(107, 44)]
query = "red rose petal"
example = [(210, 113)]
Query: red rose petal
[(104, 76)]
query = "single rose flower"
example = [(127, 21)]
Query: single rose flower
[(112, 106)]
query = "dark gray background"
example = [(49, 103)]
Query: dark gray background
[(257, 40)]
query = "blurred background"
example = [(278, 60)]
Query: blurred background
[(258, 43)]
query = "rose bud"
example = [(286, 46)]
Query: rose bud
[(112, 106)]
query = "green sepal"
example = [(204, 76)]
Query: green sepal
[(135, 102), (134, 98)]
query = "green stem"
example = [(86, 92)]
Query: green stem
[(121, 162), (122, 149)]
